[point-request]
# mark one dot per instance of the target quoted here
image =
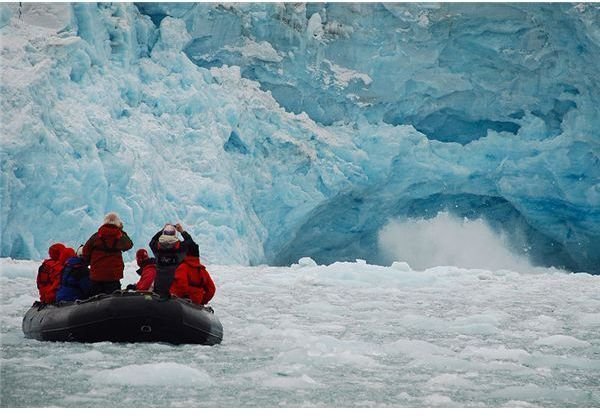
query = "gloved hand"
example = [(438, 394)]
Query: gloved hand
[(130, 287)]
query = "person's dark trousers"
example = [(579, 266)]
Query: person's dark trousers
[(104, 287)]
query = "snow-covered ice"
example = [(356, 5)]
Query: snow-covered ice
[(347, 334)]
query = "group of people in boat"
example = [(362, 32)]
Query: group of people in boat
[(97, 266)]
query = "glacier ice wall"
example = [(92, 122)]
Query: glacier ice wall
[(277, 131)]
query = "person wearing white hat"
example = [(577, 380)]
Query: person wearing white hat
[(169, 252), (104, 253)]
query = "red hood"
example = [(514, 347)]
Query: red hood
[(110, 231), (66, 254), (55, 250)]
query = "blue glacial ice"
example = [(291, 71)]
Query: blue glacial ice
[(277, 131)]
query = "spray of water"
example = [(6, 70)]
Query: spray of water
[(448, 241)]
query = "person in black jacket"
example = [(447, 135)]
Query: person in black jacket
[(169, 252)]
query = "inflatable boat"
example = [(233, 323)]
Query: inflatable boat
[(124, 316)]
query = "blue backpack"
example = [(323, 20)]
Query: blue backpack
[(75, 281)]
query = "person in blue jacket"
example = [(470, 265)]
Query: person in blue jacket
[(75, 279)]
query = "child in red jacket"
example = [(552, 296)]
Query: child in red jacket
[(48, 277), (147, 271)]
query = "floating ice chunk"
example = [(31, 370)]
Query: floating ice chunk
[(401, 266), (499, 353), (87, 356), (425, 322), (493, 318), (480, 328), (160, 374), (307, 262), (416, 349), (438, 400), (543, 323), (564, 341), (448, 379), (518, 404), (548, 361), (534, 393), (290, 382), (591, 320)]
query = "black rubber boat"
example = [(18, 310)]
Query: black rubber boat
[(124, 317)]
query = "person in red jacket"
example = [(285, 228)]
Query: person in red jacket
[(48, 277), (192, 280), (103, 251), (147, 271)]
